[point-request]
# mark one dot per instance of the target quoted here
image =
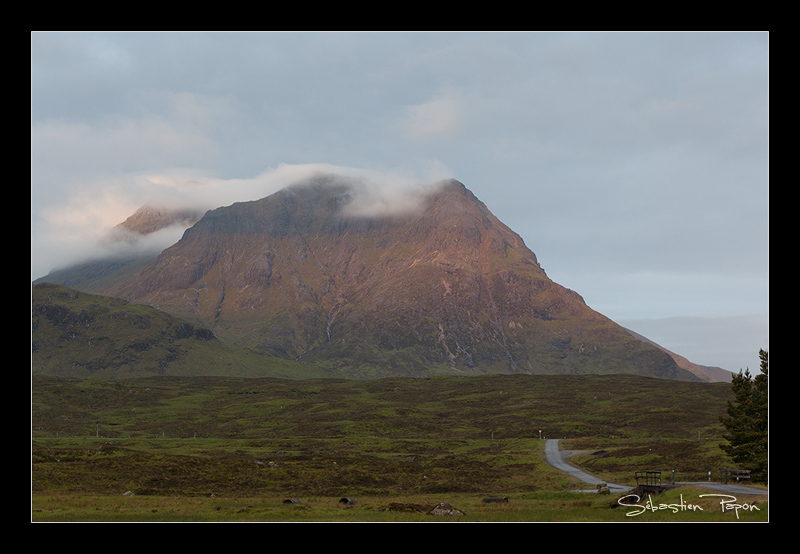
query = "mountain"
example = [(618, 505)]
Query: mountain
[(442, 287)]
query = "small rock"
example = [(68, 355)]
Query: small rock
[(445, 509)]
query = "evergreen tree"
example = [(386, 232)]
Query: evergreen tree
[(747, 423)]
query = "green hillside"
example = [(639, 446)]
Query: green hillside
[(74, 334)]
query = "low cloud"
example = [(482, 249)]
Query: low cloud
[(84, 226)]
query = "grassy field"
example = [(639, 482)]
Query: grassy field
[(213, 449), (686, 504)]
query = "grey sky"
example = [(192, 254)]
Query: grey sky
[(635, 165)]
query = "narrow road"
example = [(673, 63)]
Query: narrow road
[(557, 459), (729, 488)]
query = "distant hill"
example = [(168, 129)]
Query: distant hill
[(150, 219), (103, 272), (706, 373), (74, 334)]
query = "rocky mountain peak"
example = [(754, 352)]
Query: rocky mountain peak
[(149, 219)]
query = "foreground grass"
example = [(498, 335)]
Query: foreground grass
[(201, 480), (532, 507), (363, 466)]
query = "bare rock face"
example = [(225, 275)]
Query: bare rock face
[(441, 287)]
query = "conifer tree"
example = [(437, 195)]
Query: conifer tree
[(747, 421)]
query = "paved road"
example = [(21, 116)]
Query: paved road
[(557, 459), (729, 488)]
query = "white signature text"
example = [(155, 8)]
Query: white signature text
[(727, 503)]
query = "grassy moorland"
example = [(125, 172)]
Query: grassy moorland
[(217, 449)]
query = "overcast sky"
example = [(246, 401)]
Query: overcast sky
[(635, 165)]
